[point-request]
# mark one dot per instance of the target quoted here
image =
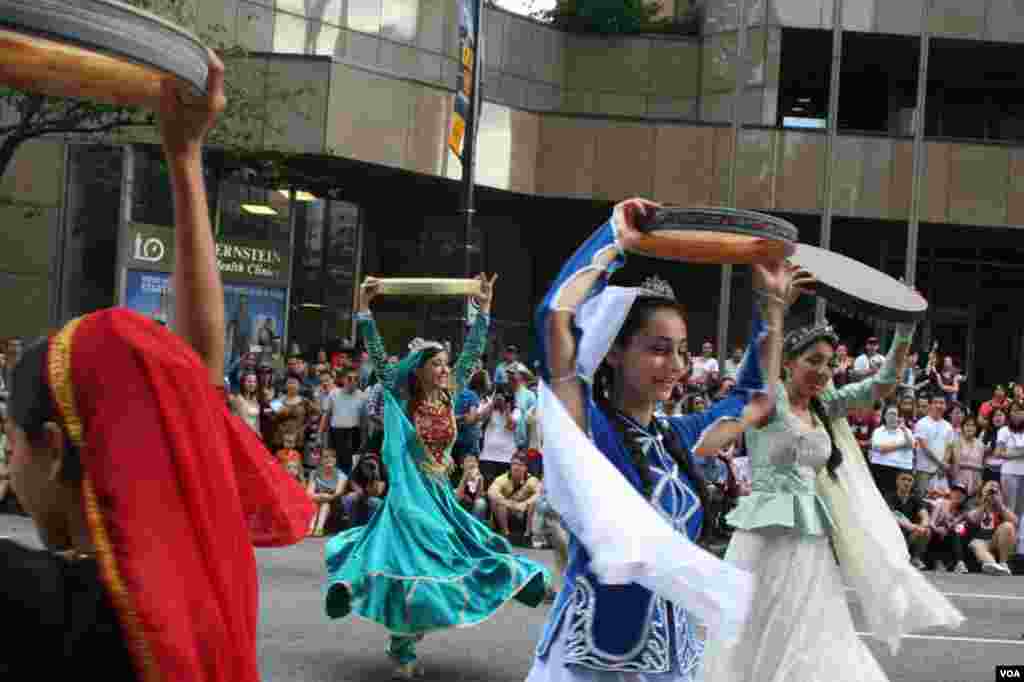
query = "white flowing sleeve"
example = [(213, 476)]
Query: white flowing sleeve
[(896, 598), (628, 541)]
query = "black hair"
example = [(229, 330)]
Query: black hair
[(643, 308), (31, 406)]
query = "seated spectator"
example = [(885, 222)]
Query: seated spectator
[(912, 517), (325, 488), (471, 491), (949, 531), (366, 489), (287, 453), (513, 496), (992, 529)]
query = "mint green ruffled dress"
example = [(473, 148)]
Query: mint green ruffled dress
[(423, 563)]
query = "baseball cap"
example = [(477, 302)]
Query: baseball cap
[(511, 348)]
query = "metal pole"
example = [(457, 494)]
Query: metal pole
[(725, 287), (469, 149), (833, 131), (910, 274)]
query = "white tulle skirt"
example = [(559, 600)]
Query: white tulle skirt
[(800, 628)]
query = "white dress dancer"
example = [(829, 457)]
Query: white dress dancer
[(800, 628)]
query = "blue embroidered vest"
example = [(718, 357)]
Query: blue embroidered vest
[(626, 628)]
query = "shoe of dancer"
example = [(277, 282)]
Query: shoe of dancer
[(423, 563), (146, 491), (623, 481)]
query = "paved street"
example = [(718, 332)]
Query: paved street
[(298, 642)]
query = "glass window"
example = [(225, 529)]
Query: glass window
[(399, 20), (321, 10), (364, 15), (289, 34)]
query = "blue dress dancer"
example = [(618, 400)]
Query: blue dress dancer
[(638, 594)]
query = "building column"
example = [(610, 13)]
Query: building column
[(910, 275), (830, 142)]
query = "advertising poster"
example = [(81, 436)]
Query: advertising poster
[(255, 315)]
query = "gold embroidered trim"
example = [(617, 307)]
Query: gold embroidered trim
[(63, 390), (61, 387), (137, 643)]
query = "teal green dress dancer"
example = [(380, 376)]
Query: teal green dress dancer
[(423, 563)]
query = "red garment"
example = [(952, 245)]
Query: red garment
[(176, 491), (436, 428)]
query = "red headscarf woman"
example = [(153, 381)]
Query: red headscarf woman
[(148, 493)]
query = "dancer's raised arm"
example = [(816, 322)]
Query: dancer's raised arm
[(199, 294), (476, 340), (585, 275), (367, 328)]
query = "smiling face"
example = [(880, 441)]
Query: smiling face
[(998, 419), (249, 384), (649, 362), (434, 373), (810, 371), (707, 349)]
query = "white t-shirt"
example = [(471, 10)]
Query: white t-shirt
[(937, 434), (499, 440), (1011, 440), (903, 458), (862, 364), (703, 366), (346, 409)]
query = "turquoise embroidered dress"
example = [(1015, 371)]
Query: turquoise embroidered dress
[(423, 563)]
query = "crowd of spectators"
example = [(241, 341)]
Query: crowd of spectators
[(952, 475)]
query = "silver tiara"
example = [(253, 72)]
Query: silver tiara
[(798, 339), (658, 288), (417, 344)]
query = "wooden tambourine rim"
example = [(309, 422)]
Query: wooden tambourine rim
[(853, 304), (724, 220), (713, 236), (111, 29)]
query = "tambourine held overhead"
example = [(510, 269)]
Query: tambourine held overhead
[(100, 50), (714, 235), (428, 286), (849, 284)]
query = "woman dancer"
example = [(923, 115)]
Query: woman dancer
[(800, 629), (635, 340), (423, 563), (145, 490)]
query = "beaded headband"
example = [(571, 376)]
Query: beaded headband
[(799, 339)]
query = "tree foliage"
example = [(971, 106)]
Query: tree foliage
[(617, 17), (25, 116)]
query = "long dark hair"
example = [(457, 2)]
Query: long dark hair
[(31, 406), (604, 380), (415, 394)]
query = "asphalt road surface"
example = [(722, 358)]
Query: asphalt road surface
[(298, 642)]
